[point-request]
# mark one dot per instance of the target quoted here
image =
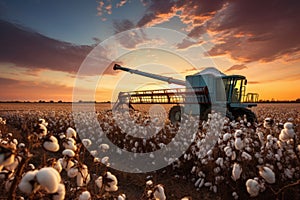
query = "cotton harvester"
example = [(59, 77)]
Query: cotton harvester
[(202, 91)]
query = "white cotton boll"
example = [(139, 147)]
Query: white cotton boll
[(277, 157), (60, 193), (226, 137), (111, 185), (207, 184), (21, 145), (238, 144), (104, 147), (214, 189), (99, 182), (68, 152), (246, 156), (159, 193), (42, 131), (105, 161), (43, 121), (228, 151), (290, 132), (284, 136), (267, 174), (149, 183), (238, 133), (261, 137), (268, 122), (260, 160), (197, 182), (86, 142), (252, 187), (86, 195), (288, 125), (71, 133), (83, 176), (235, 195), (49, 179), (72, 172), (70, 143), (51, 144), (248, 149), (217, 170), (25, 184), (236, 171), (121, 197), (220, 161), (201, 183)]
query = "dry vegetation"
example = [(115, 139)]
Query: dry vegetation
[(249, 161)]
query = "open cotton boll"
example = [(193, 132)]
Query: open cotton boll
[(86, 142), (105, 161), (238, 133), (111, 182), (226, 137), (43, 121), (99, 182), (267, 174), (68, 152), (49, 179), (51, 144), (246, 156), (121, 197), (288, 125), (284, 136), (236, 171), (238, 143), (290, 132), (60, 193), (104, 147), (72, 172), (268, 122), (66, 163), (159, 192), (27, 183), (86, 195), (252, 187), (40, 131), (58, 166), (83, 176), (71, 133), (70, 143)]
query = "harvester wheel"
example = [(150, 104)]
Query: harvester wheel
[(240, 112), (175, 114)]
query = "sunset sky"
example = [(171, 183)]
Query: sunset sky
[(45, 44)]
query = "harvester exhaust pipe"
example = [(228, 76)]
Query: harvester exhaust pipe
[(149, 75)]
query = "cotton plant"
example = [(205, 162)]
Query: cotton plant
[(46, 179)]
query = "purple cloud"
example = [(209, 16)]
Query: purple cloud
[(246, 31), (236, 67), (29, 49)]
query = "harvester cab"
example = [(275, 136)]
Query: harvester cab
[(205, 91)]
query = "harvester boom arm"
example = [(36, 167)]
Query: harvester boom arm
[(154, 76)]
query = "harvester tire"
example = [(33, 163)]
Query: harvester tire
[(240, 112)]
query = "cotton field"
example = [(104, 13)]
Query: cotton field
[(45, 154)]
